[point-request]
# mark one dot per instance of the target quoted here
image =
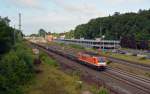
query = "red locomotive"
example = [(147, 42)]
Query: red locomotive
[(96, 61)]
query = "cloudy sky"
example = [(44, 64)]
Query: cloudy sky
[(63, 15)]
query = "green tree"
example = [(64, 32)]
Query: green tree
[(117, 26), (16, 69), (6, 35), (16, 60), (42, 32)]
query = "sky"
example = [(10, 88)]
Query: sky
[(63, 15)]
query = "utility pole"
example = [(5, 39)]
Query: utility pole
[(102, 37), (14, 35), (20, 34), (100, 29), (103, 42), (20, 21)]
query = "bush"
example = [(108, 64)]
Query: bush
[(108, 62), (16, 69), (142, 58)]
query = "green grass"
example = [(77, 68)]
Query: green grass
[(76, 46), (57, 44), (52, 80), (147, 74), (44, 57), (100, 90)]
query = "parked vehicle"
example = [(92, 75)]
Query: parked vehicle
[(121, 52)]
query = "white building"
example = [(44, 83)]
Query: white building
[(107, 44)]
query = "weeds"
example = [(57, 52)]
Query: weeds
[(147, 74), (100, 90), (44, 58)]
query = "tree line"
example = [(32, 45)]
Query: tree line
[(43, 33), (125, 26), (8, 35)]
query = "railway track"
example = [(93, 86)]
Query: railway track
[(125, 62), (129, 63), (140, 85), (145, 79), (132, 79), (121, 61)]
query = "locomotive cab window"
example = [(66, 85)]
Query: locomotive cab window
[(101, 60)]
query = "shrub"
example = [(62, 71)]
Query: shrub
[(142, 58), (108, 62), (16, 69)]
